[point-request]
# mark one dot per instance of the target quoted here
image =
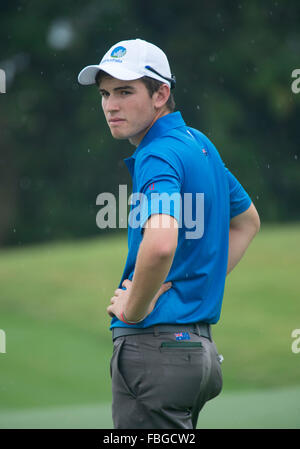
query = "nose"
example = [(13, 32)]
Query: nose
[(111, 104)]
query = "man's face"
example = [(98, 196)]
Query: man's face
[(128, 108)]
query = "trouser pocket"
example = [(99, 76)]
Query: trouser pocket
[(127, 368), (180, 370), (181, 344)]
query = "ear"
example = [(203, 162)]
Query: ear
[(161, 96)]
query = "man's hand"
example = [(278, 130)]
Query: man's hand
[(120, 300)]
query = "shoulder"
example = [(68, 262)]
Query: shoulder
[(162, 148), (153, 161), (199, 136)]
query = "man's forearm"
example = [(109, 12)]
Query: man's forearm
[(150, 272)]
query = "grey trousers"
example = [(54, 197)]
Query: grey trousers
[(161, 383)]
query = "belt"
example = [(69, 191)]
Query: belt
[(201, 329)]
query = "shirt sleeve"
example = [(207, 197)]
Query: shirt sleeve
[(240, 201), (159, 185)]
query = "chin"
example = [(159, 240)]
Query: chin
[(118, 135)]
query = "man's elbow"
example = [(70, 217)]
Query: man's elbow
[(164, 248), (257, 224), (166, 251), (255, 221)]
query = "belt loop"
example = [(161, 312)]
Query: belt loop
[(209, 332), (197, 329), (156, 331)]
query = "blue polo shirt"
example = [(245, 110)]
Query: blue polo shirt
[(182, 170)]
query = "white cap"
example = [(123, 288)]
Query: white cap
[(131, 60)]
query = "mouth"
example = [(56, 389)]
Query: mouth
[(115, 121)]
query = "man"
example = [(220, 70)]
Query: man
[(165, 365)]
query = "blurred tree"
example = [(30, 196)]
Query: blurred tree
[(233, 63)]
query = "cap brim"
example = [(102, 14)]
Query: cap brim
[(88, 74)]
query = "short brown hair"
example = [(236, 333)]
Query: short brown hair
[(151, 84)]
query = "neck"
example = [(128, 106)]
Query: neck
[(136, 140)]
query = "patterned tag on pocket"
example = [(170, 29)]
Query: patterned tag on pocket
[(182, 336)]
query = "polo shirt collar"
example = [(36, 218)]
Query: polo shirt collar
[(159, 128)]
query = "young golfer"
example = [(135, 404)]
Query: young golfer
[(194, 223)]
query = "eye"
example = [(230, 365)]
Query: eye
[(125, 92), (103, 94)]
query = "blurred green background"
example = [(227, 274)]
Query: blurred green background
[(233, 63)]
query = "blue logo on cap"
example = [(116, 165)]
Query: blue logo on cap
[(118, 52)]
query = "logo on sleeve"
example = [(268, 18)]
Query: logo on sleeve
[(151, 187)]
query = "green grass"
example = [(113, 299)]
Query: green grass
[(53, 301), (265, 409), (261, 308)]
